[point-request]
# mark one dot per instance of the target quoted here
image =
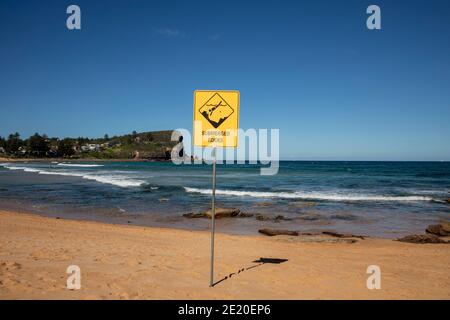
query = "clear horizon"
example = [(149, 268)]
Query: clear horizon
[(336, 90)]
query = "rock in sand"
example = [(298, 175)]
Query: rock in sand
[(419, 238), (220, 213), (442, 229), (277, 232), (343, 235)]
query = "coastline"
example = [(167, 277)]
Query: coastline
[(49, 160), (6, 159), (134, 262)]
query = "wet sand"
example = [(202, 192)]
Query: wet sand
[(133, 262)]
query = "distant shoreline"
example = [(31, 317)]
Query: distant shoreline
[(77, 160), (6, 159)]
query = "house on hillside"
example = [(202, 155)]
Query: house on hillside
[(22, 151), (90, 147)]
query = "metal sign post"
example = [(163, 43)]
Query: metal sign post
[(213, 217), (216, 124)]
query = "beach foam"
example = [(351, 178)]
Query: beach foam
[(80, 165), (120, 181), (21, 168), (310, 196)]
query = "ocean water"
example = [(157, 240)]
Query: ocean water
[(385, 199)]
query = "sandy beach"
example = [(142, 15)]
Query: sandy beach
[(131, 262)]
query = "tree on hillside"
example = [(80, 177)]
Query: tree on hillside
[(38, 145), (129, 139), (65, 148), (149, 136), (106, 137), (2, 142), (81, 141), (13, 143)]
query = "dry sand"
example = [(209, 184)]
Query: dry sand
[(131, 262)]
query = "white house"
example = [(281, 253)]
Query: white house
[(90, 147)]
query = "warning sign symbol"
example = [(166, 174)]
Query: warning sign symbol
[(216, 110), (216, 118)]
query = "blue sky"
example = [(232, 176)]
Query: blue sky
[(335, 89)]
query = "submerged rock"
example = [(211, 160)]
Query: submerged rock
[(263, 204), (311, 217), (245, 215), (262, 217), (419, 238), (343, 216), (442, 229), (277, 232), (302, 204), (192, 215)]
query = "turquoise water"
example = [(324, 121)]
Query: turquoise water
[(376, 198)]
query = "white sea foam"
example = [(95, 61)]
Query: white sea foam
[(26, 169), (120, 181), (310, 196), (115, 180), (79, 165)]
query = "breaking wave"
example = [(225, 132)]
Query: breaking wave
[(21, 168), (310, 196), (79, 165), (116, 180)]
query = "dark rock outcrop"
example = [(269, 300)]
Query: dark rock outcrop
[(343, 235), (262, 217), (223, 212), (419, 238), (277, 232), (442, 229), (220, 213), (245, 215)]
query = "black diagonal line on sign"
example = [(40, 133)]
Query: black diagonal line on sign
[(205, 114)]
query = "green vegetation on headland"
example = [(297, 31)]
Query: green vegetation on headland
[(154, 145)]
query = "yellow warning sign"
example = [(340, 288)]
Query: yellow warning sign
[(216, 118)]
